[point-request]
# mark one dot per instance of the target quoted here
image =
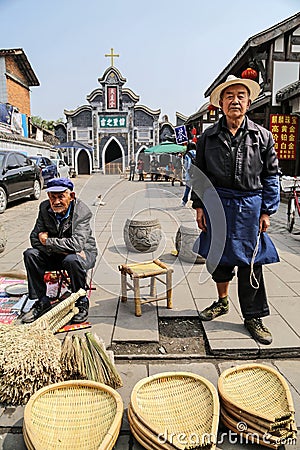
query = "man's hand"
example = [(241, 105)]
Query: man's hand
[(200, 219), (82, 254), (264, 222), (43, 237)]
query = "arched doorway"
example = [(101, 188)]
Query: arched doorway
[(113, 158), (83, 163)]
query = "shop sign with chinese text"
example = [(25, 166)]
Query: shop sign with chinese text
[(284, 128), (112, 121), (181, 134)]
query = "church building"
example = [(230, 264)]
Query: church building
[(113, 125)]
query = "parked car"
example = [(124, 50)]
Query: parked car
[(19, 177), (63, 170), (49, 170)]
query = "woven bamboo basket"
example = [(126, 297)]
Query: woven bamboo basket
[(258, 390), (174, 404), (73, 415), (145, 435), (249, 434)]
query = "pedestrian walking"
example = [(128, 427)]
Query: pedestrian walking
[(238, 157), (131, 169), (140, 169), (178, 170), (189, 157), (154, 169)]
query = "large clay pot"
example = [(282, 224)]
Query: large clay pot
[(3, 239), (184, 241), (142, 235)]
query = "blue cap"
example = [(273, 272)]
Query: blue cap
[(59, 185)]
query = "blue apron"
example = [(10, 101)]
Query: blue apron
[(236, 247)]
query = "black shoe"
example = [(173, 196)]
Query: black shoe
[(39, 308), (215, 310), (83, 306), (258, 330)]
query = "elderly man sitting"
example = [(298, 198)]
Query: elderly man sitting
[(61, 239)]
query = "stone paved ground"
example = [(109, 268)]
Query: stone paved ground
[(228, 341)]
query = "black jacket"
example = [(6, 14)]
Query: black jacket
[(245, 168), (73, 235)]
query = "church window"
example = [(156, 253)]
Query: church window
[(82, 135)]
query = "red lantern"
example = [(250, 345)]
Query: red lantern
[(211, 107), (194, 131), (249, 73), (194, 139)]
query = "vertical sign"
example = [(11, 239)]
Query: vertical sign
[(284, 128), (181, 134), (112, 97)]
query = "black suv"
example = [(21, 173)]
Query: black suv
[(19, 177)]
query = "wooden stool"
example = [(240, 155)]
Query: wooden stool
[(144, 270)]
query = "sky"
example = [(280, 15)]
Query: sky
[(170, 50)]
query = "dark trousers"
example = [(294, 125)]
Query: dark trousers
[(185, 197), (131, 175), (253, 302), (37, 263)]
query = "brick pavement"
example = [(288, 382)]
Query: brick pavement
[(228, 340)]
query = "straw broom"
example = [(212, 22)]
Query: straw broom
[(86, 358), (111, 375), (30, 355)]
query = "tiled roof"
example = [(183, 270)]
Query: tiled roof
[(19, 138), (288, 91), (254, 41), (23, 63)]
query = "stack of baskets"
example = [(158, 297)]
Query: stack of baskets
[(256, 403), (174, 410), (73, 415)]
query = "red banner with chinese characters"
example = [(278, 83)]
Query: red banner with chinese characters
[(112, 97), (284, 128)]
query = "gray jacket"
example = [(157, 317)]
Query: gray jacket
[(71, 235)]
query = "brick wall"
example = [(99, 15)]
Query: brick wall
[(17, 95)]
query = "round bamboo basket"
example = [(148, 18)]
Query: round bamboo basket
[(172, 405), (73, 415), (258, 390)]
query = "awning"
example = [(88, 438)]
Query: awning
[(74, 144), (166, 147)]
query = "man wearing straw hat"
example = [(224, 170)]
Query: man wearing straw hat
[(236, 157), (61, 239)]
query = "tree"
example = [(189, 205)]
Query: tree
[(46, 124)]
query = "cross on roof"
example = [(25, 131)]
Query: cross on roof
[(112, 56)]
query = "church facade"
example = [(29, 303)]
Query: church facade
[(113, 124)]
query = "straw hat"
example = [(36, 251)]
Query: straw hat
[(253, 86)]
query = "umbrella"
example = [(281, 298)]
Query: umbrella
[(74, 144), (166, 147)]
